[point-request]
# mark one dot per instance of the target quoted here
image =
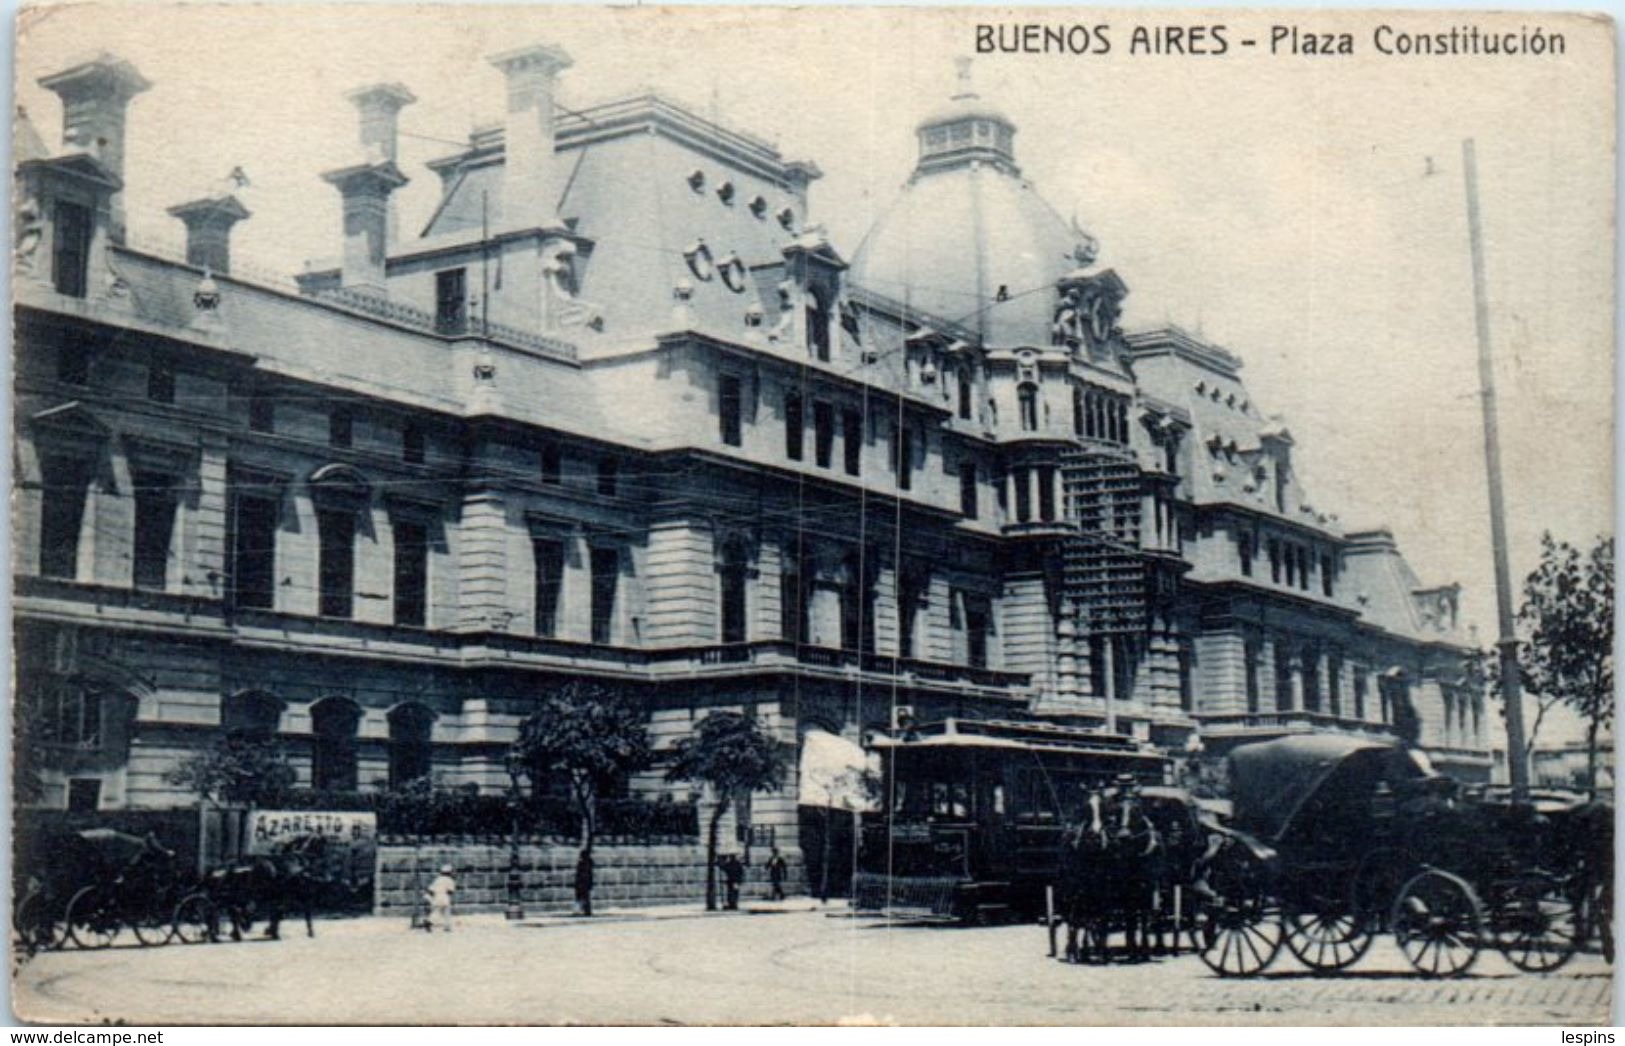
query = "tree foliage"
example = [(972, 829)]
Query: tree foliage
[(239, 769), (734, 755), (590, 737), (1567, 623)]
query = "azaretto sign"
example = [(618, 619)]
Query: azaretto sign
[(270, 829)]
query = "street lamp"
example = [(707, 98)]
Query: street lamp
[(515, 765)]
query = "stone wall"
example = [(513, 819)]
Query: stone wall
[(624, 876)]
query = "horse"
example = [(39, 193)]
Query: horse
[(1109, 878), (287, 878)]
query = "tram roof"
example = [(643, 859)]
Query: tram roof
[(1010, 735)]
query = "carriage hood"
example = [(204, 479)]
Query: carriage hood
[(1274, 781)]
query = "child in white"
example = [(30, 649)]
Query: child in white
[(439, 897)]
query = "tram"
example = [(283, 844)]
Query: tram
[(972, 813)]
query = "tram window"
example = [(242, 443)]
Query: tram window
[(998, 799), (950, 799)]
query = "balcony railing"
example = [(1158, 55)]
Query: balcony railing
[(1295, 720)]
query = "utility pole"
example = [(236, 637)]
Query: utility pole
[(1507, 643)]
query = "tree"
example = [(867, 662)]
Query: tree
[(591, 737), (239, 769), (1568, 619), (1484, 676), (733, 754)]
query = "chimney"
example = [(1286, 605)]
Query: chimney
[(208, 224), (369, 220), (380, 106), (529, 198), (95, 94)]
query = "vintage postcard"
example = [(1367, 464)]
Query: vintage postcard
[(763, 515)]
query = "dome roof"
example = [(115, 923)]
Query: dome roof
[(967, 231)]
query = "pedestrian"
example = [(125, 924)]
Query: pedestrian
[(439, 895), (733, 873), (584, 883), (777, 867)]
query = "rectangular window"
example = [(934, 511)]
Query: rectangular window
[(734, 577), (261, 411), (977, 620), (792, 618), (549, 556), (823, 434), (905, 458), (730, 406), (818, 330), (911, 594), (341, 427), (1187, 671), (154, 527), (795, 424), (335, 568), (1275, 561), (161, 380), (606, 576), (609, 477), (62, 515), (1046, 494), (84, 795), (852, 440), (1024, 497), (1283, 679), (1251, 663), (1334, 685), (1244, 548), (1328, 576), (253, 551), (967, 489), (451, 301), (414, 444), (552, 466), (1311, 679), (70, 260), (411, 572), (73, 364), (1359, 693)]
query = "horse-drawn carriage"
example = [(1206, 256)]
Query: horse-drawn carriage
[(1338, 839), (102, 882)]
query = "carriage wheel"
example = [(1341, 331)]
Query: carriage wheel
[(92, 921), (196, 920), (1537, 925), (1327, 937), (37, 929), (1239, 938), (153, 927), (1437, 922)]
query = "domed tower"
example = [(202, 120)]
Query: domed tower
[(970, 246)]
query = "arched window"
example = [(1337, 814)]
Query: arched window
[(410, 753), (251, 715), (1027, 395), (967, 394), (334, 720), (72, 713), (1077, 410)]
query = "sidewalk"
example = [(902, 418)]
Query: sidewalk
[(602, 916)]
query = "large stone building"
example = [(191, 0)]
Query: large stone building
[(621, 411)]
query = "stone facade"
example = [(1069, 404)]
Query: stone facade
[(682, 446), (623, 876)]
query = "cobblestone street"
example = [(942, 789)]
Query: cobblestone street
[(678, 966)]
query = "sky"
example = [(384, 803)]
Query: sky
[(1307, 213)]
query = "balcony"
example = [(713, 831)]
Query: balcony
[(780, 655), (1039, 528), (1290, 722)]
